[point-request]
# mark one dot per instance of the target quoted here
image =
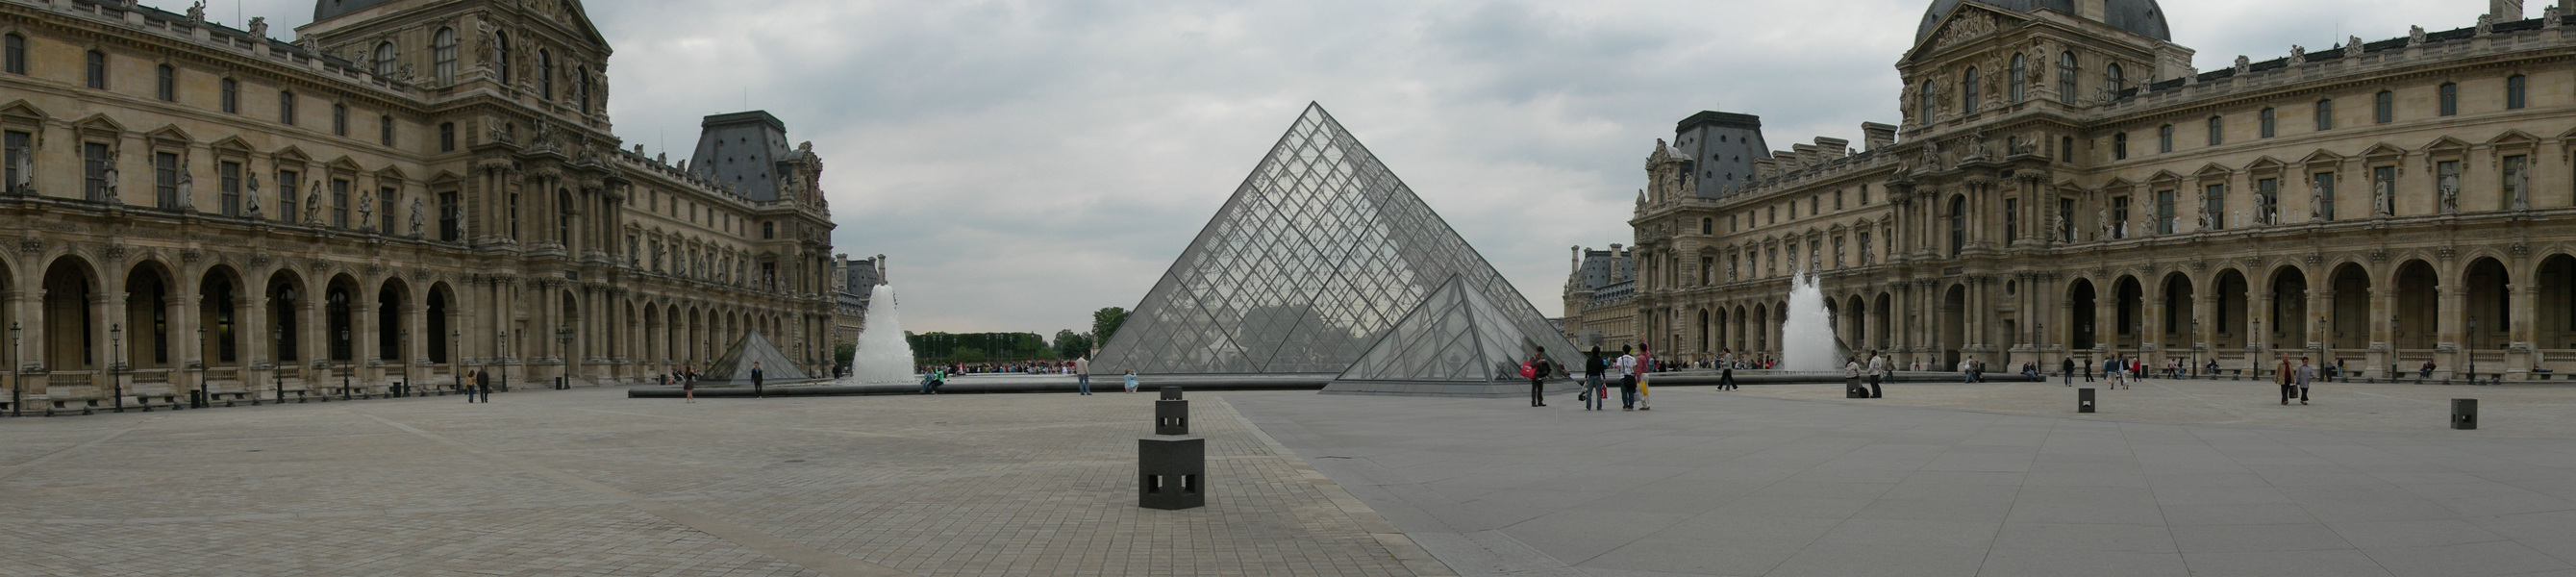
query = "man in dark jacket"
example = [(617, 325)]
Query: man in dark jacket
[(1539, 369), (755, 380), (2068, 367), (482, 384)]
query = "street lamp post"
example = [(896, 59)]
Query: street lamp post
[(17, 382), (455, 364), (116, 342), (563, 336), (404, 334), (202, 401), (2392, 347), (2472, 353), (345, 367), (2196, 345)]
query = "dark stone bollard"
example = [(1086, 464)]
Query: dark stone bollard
[(1171, 393), (2464, 414), (1171, 417), (2084, 400), (1171, 473), (1853, 390)]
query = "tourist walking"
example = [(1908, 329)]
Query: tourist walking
[(1880, 371), (1645, 387), (1967, 370), (2289, 381), (485, 384), (482, 381), (1627, 365), (1536, 369), (1593, 367), (2067, 367), (2111, 372), (755, 381), (1726, 375), (688, 387), (2307, 374), (1082, 375)]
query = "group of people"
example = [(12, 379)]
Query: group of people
[(1597, 369), (1016, 367)]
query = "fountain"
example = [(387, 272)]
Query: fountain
[(1807, 341), (883, 356)]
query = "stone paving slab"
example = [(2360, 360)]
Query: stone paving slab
[(2175, 478), (588, 482)]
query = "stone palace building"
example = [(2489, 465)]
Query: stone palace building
[(409, 189), (2067, 185)]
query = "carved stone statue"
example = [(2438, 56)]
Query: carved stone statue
[(2522, 190), (187, 185), (2384, 198), (417, 217), (25, 163), (313, 204), (2415, 35), (367, 211), (2102, 218), (2298, 55), (259, 27), (108, 191), (2244, 64), (250, 196), (2205, 216), (197, 13), (2450, 195), (2352, 47)]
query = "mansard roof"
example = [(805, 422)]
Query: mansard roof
[(2142, 17)]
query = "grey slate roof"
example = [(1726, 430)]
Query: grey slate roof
[(741, 152), (327, 9), (2143, 17)]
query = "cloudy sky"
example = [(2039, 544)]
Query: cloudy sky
[(1027, 162)]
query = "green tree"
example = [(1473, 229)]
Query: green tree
[(841, 355), (1104, 322), (1070, 345)]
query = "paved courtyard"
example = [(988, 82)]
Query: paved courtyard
[(588, 482), (2175, 478)]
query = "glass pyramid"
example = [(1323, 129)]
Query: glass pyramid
[(1455, 335), (1314, 259)]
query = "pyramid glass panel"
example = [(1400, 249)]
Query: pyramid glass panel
[(1314, 262)]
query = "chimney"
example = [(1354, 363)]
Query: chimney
[(2505, 10), (2090, 9), (1876, 136), (1833, 147)]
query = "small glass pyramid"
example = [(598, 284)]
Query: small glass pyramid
[(1319, 253)]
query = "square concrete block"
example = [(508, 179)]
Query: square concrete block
[(1171, 472), (1171, 417)]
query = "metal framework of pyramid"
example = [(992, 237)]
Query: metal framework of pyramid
[(734, 367), (1309, 266), (1455, 335)]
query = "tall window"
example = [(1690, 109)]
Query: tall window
[(2383, 108), (2217, 131), (442, 49), (289, 200), (165, 83), (2450, 94), (1923, 101), (2213, 198), (339, 203), (230, 176), (2113, 79), (2513, 91), (513, 216), (165, 180), (339, 119), (2165, 212), (2018, 77), (94, 165), (2383, 176), (563, 218), (385, 209), (1864, 248), (447, 215), (15, 60), (385, 60), (2066, 77), (2267, 201), (231, 96), (2066, 219), (2325, 184), (1968, 92), (2120, 146), (501, 51), (447, 137), (2325, 115), (581, 77), (2164, 138), (385, 129), (2269, 123), (97, 69), (2012, 219), (2066, 148), (2119, 217), (2515, 168), (545, 74), (16, 143), (286, 107)]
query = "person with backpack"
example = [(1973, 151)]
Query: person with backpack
[(1593, 367), (1536, 370), (2067, 368)]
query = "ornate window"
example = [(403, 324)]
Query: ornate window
[(385, 129), (501, 51), (2113, 80), (447, 137), (448, 215), (2066, 77), (2267, 201), (165, 180), (2120, 146), (229, 174), (2165, 219), (1968, 92), (581, 82), (1958, 225), (339, 203), (443, 51), (95, 163), (289, 202), (545, 74), (1923, 101), (385, 60)]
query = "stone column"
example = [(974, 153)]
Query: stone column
[(108, 306), (364, 344), (2258, 340), (416, 341), (2449, 350), (2383, 331), (2520, 349)]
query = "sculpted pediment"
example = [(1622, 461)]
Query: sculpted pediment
[(1969, 22)]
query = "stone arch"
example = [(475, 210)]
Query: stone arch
[(393, 333), (2554, 303), (1953, 326), (2230, 294), (2486, 307), (2348, 311), (340, 319), (2128, 317), (151, 315), (442, 322), (222, 297), (70, 330), (2083, 300), (1886, 320), (286, 295), (2415, 326), (2290, 322), (1855, 322)]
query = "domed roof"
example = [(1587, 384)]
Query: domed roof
[(2142, 17)]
